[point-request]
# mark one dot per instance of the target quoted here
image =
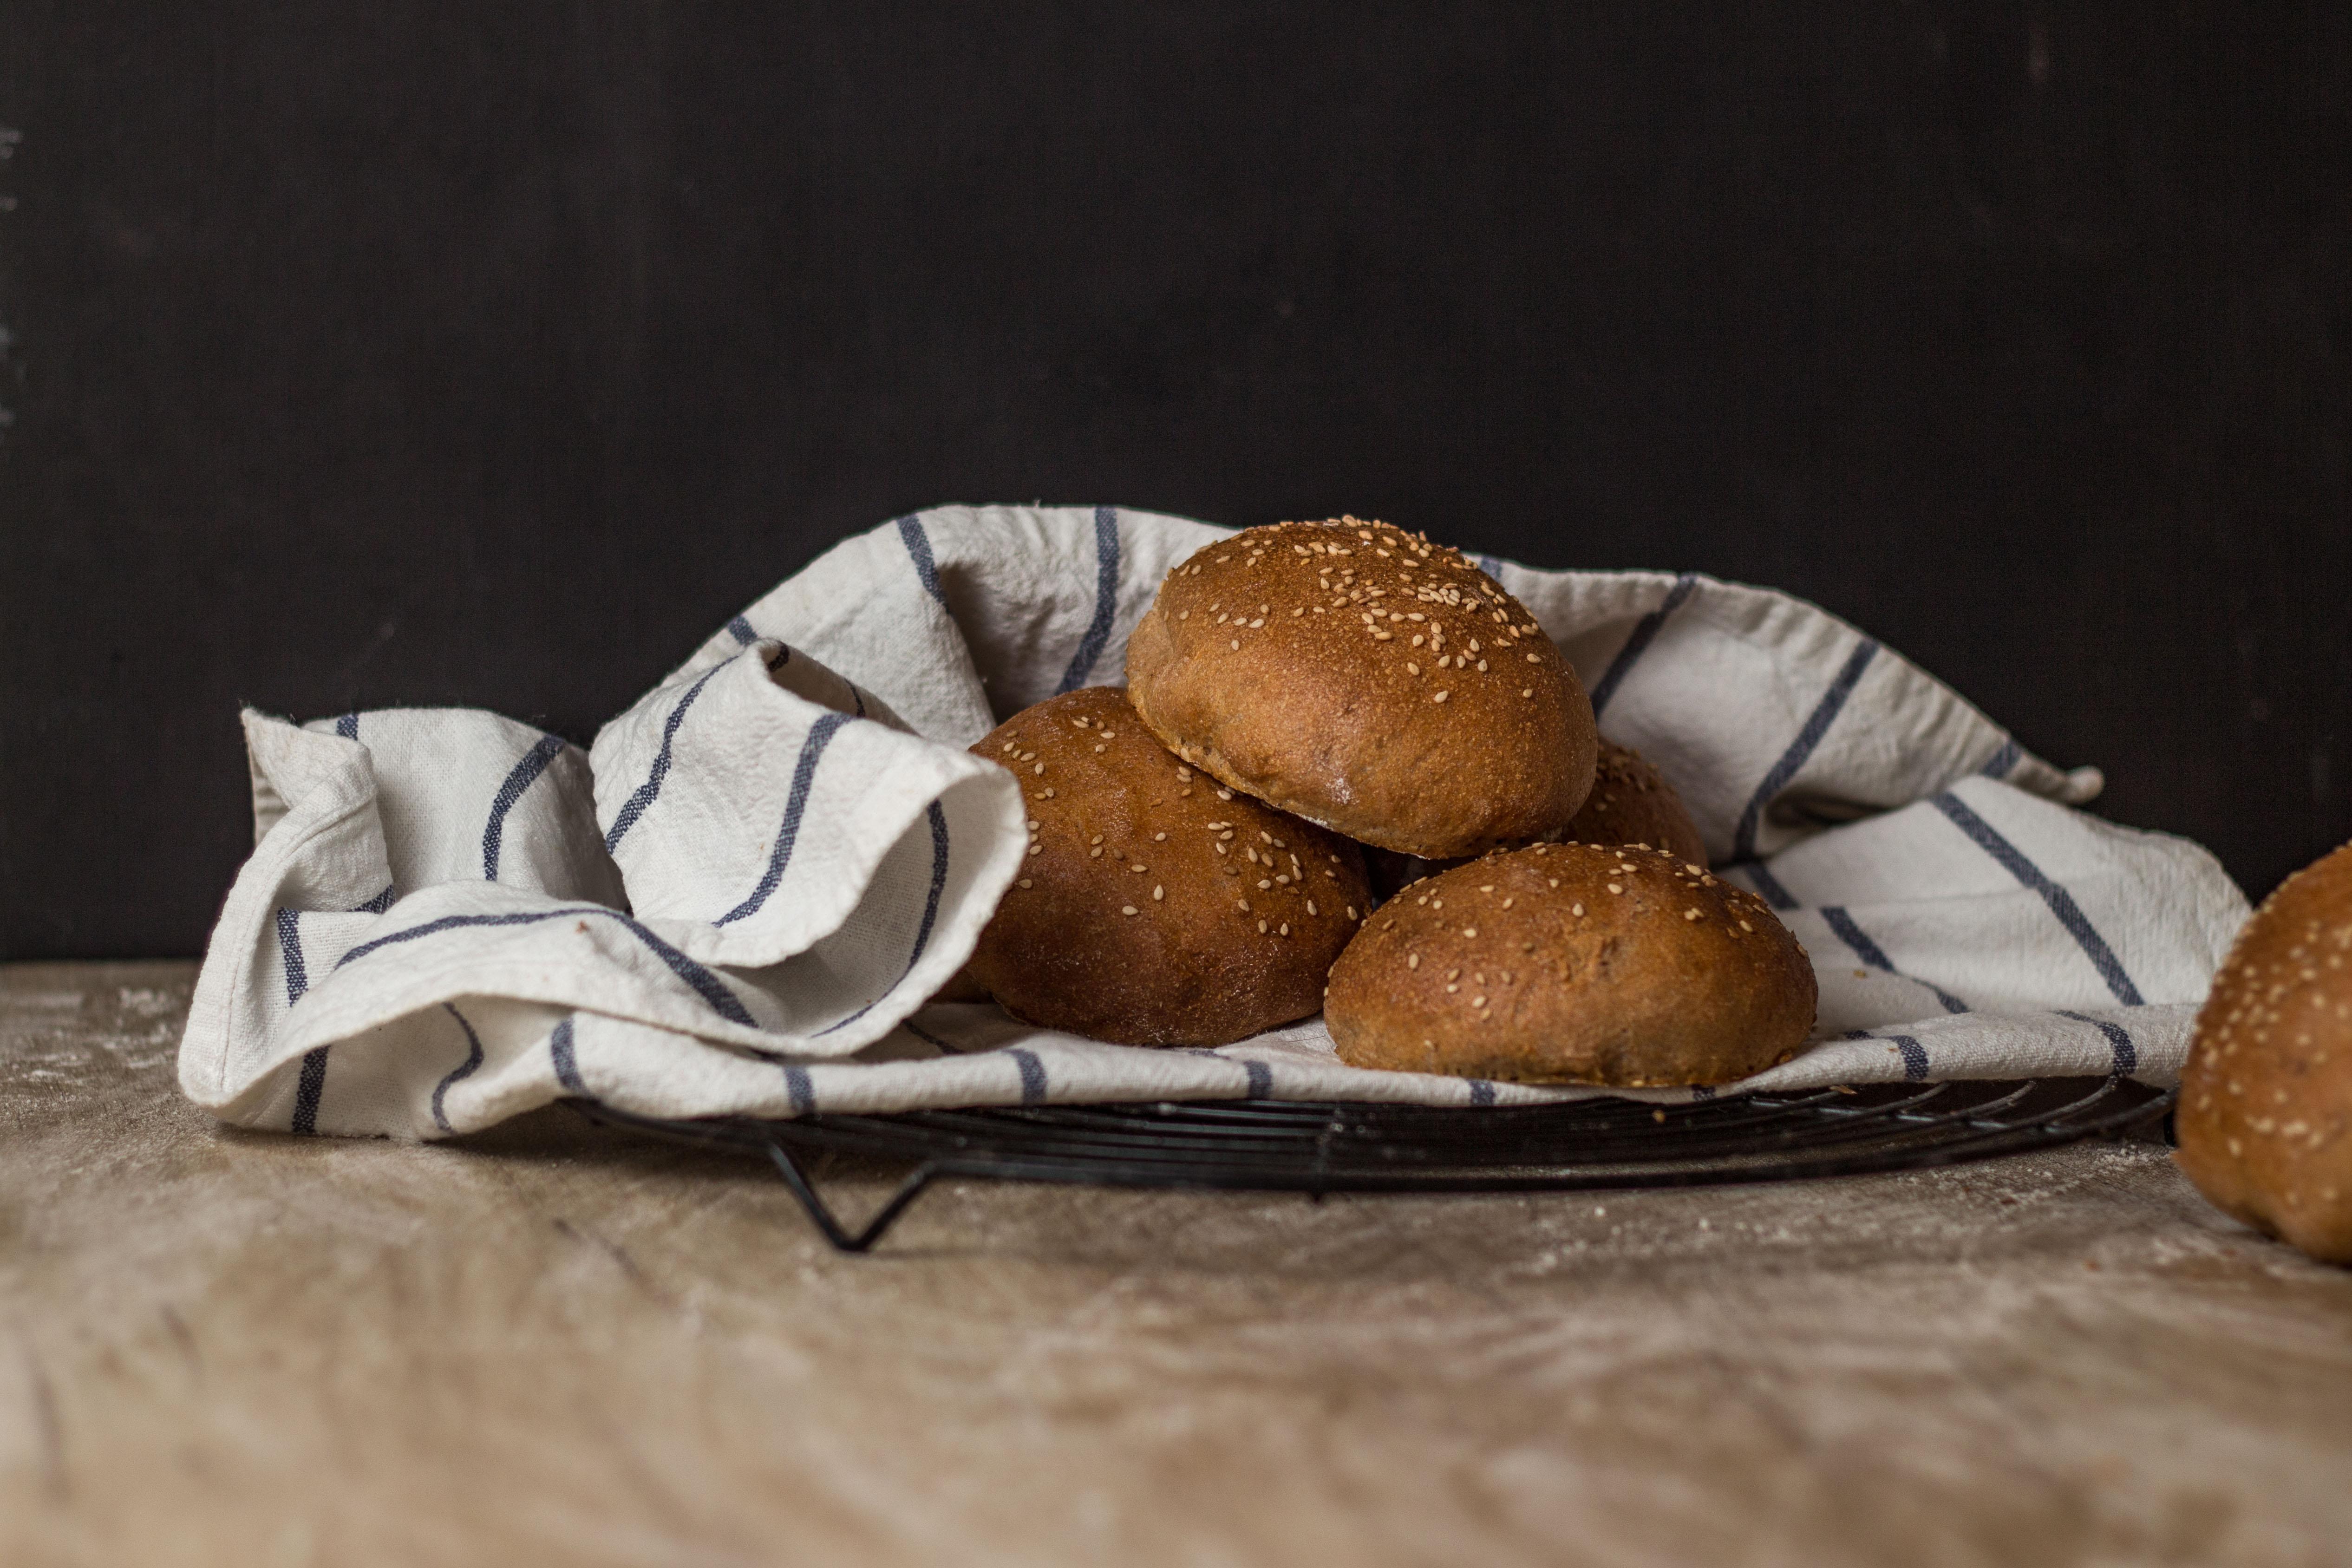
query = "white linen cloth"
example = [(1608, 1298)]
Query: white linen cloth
[(738, 901)]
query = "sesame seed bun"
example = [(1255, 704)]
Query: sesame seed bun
[(1632, 802), (1569, 963), (2265, 1113), (1155, 907), (1364, 679)]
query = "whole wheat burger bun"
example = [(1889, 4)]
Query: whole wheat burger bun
[(1569, 963), (1155, 907), (2265, 1113), (1632, 802), (1362, 677)]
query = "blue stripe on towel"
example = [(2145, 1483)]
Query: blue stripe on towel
[(919, 550), (2126, 1055), (1999, 765), (929, 1038), (1261, 1079), (1768, 886), (1481, 1092), (741, 630), (707, 985), (525, 773), (788, 833), (2062, 902), (567, 1065), (800, 1090), (1870, 953), (1491, 566), (314, 1081), (348, 726), (289, 949), (308, 1091), (1914, 1056), (1090, 647), (635, 806), (381, 902), (1816, 724), (1638, 642), (1033, 1075), (464, 1070), (939, 854)]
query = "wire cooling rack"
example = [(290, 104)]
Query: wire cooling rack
[(1318, 1148)]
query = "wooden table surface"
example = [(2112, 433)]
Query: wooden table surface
[(559, 1343)]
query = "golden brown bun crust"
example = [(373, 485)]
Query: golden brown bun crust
[(1364, 679), (1525, 967), (1156, 908), (2266, 1114), (1632, 802)]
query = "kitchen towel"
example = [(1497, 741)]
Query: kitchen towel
[(740, 899)]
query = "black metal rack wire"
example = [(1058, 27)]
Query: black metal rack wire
[(1318, 1148)]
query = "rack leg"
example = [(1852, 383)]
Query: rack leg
[(822, 1216)]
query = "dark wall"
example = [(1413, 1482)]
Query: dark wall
[(436, 352)]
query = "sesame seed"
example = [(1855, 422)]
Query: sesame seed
[(1351, 911), (1576, 909), (1527, 691), (1039, 769), (1159, 893), (1237, 644), (1509, 902), (1411, 668), (1441, 697), (1033, 825), (1452, 989), (1477, 1001), (1482, 664), (1533, 659), (1027, 883), (1694, 870), (1469, 930), (1690, 914), (1616, 889), (1036, 849), (1412, 961), (1010, 744), (1135, 867), (1095, 854), (1261, 926), (1486, 887), (1225, 794), (1126, 909), (1096, 839), (1285, 929), (1049, 793), (1745, 926), (1159, 837)]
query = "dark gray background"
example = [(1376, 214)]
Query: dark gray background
[(437, 351)]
